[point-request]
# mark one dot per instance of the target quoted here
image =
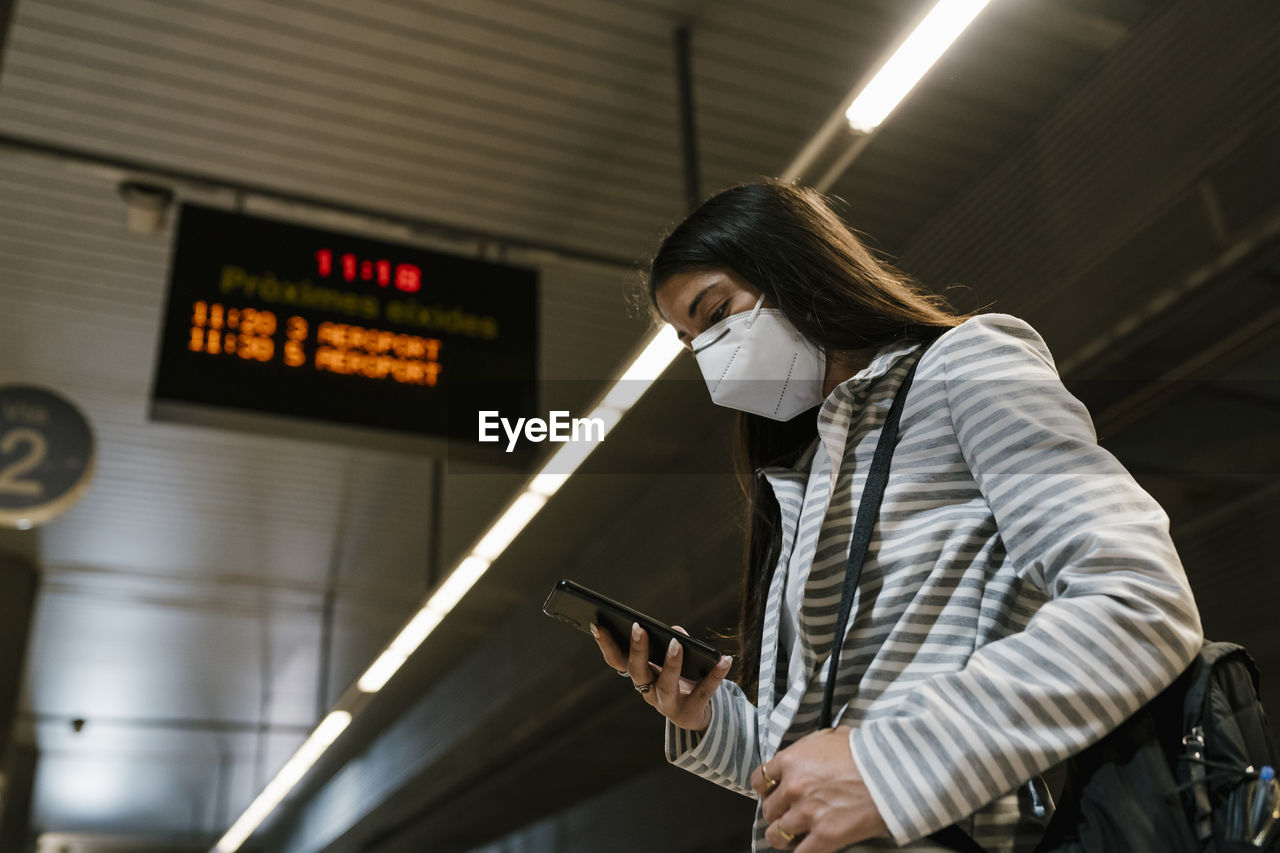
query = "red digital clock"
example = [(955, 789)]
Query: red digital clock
[(406, 277)]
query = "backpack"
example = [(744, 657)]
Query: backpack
[(1175, 777)]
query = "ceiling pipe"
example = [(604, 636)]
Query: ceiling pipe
[(688, 129)]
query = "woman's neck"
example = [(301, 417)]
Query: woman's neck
[(842, 365)]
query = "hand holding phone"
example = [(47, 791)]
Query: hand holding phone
[(654, 655)]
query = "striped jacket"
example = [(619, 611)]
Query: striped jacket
[(1021, 595)]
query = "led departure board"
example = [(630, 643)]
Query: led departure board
[(282, 320)]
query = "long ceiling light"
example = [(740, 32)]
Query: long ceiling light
[(293, 771), (868, 110), (911, 61), (654, 358)]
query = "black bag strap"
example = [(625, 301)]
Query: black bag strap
[(868, 509), (1200, 673)]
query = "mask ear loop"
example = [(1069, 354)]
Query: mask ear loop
[(754, 312)]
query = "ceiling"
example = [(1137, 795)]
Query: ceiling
[(1105, 170)]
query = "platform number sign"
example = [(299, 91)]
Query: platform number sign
[(46, 455)]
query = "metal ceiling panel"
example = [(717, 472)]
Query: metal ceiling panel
[(1114, 158), (355, 102), (982, 100)]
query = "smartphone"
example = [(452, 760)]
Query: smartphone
[(580, 607)]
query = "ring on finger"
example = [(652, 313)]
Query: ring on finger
[(773, 783), (645, 688), (786, 836)]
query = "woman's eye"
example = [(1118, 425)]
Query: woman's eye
[(718, 314)]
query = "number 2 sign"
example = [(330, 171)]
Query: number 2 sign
[(46, 455)]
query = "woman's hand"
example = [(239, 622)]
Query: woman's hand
[(684, 703), (818, 801)]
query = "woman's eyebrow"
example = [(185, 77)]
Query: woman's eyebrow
[(693, 306)]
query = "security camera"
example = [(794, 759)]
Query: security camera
[(145, 206)]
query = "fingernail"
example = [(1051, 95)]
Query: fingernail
[(595, 632), (635, 631), (724, 662), (674, 648)]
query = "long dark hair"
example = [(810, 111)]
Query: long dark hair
[(789, 243)]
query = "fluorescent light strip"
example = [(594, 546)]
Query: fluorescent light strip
[(508, 526), (463, 578), (423, 623), (657, 355), (289, 776), (572, 454), (899, 75), (655, 358)]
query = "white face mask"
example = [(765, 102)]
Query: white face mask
[(759, 362)]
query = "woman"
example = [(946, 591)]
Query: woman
[(1020, 596)]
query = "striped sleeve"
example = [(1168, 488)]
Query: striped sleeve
[(728, 751), (1120, 625)]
